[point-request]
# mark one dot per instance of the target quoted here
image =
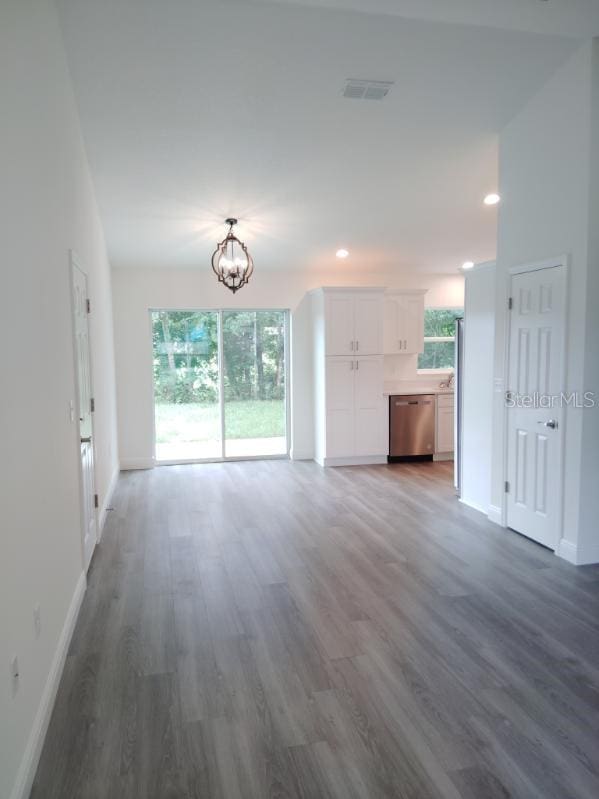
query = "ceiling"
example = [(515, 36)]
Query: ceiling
[(562, 17), (193, 111)]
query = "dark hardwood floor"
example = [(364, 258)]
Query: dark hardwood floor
[(273, 629)]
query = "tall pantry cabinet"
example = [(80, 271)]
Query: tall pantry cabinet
[(348, 376)]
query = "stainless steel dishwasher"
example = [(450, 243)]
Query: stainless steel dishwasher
[(411, 425)]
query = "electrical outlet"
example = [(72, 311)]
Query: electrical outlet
[(37, 620), (14, 673)]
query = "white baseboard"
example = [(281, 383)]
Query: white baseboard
[(473, 505), (495, 515), (298, 455), (570, 552), (33, 750), (363, 460), (130, 464), (106, 502), (443, 456)]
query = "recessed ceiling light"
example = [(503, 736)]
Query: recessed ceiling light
[(468, 265), (342, 253), (492, 199)]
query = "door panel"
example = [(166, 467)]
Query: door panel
[(187, 414), (84, 385), (445, 425), (254, 383), (339, 324), (369, 407), (340, 407), (391, 326), (368, 325), (534, 378), (412, 327)]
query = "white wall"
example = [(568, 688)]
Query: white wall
[(46, 207), (477, 386), (588, 534), (545, 180), (136, 291)]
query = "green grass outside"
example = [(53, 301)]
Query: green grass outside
[(177, 423)]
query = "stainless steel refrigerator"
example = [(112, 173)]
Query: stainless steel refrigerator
[(459, 404)]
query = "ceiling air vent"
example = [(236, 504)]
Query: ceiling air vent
[(367, 89)]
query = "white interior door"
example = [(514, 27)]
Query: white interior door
[(84, 384), (534, 457)]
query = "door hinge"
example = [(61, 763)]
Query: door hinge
[(506, 487), (88, 306), (96, 503), (510, 303), (92, 405)]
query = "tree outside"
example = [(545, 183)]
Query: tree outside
[(439, 323)]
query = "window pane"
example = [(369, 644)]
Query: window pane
[(441, 321), (437, 355)]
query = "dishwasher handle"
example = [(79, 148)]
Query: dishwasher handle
[(412, 402)]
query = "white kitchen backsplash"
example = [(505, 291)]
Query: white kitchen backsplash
[(405, 367), (401, 367), (401, 374)]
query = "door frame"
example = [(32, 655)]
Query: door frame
[(562, 261), (287, 354), (75, 262)]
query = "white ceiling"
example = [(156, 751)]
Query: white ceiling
[(193, 111), (561, 17)]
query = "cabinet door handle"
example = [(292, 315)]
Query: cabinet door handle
[(357, 364), (357, 345), (405, 344), (351, 345), (400, 344), (351, 365)]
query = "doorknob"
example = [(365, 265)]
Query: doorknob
[(86, 440), (551, 423)]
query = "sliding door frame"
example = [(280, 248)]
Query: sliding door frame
[(221, 393)]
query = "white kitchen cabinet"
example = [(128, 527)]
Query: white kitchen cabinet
[(349, 408), (369, 407), (404, 322), (340, 415), (354, 418), (444, 426), (353, 320)]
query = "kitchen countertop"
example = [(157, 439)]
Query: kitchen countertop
[(392, 389)]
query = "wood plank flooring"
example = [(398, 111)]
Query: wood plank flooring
[(273, 629)]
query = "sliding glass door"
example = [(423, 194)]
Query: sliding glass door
[(220, 384), (254, 383)]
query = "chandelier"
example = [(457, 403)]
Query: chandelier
[(231, 261)]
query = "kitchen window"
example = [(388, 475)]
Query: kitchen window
[(439, 339)]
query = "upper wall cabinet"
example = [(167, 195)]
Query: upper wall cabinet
[(404, 322), (354, 322)]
